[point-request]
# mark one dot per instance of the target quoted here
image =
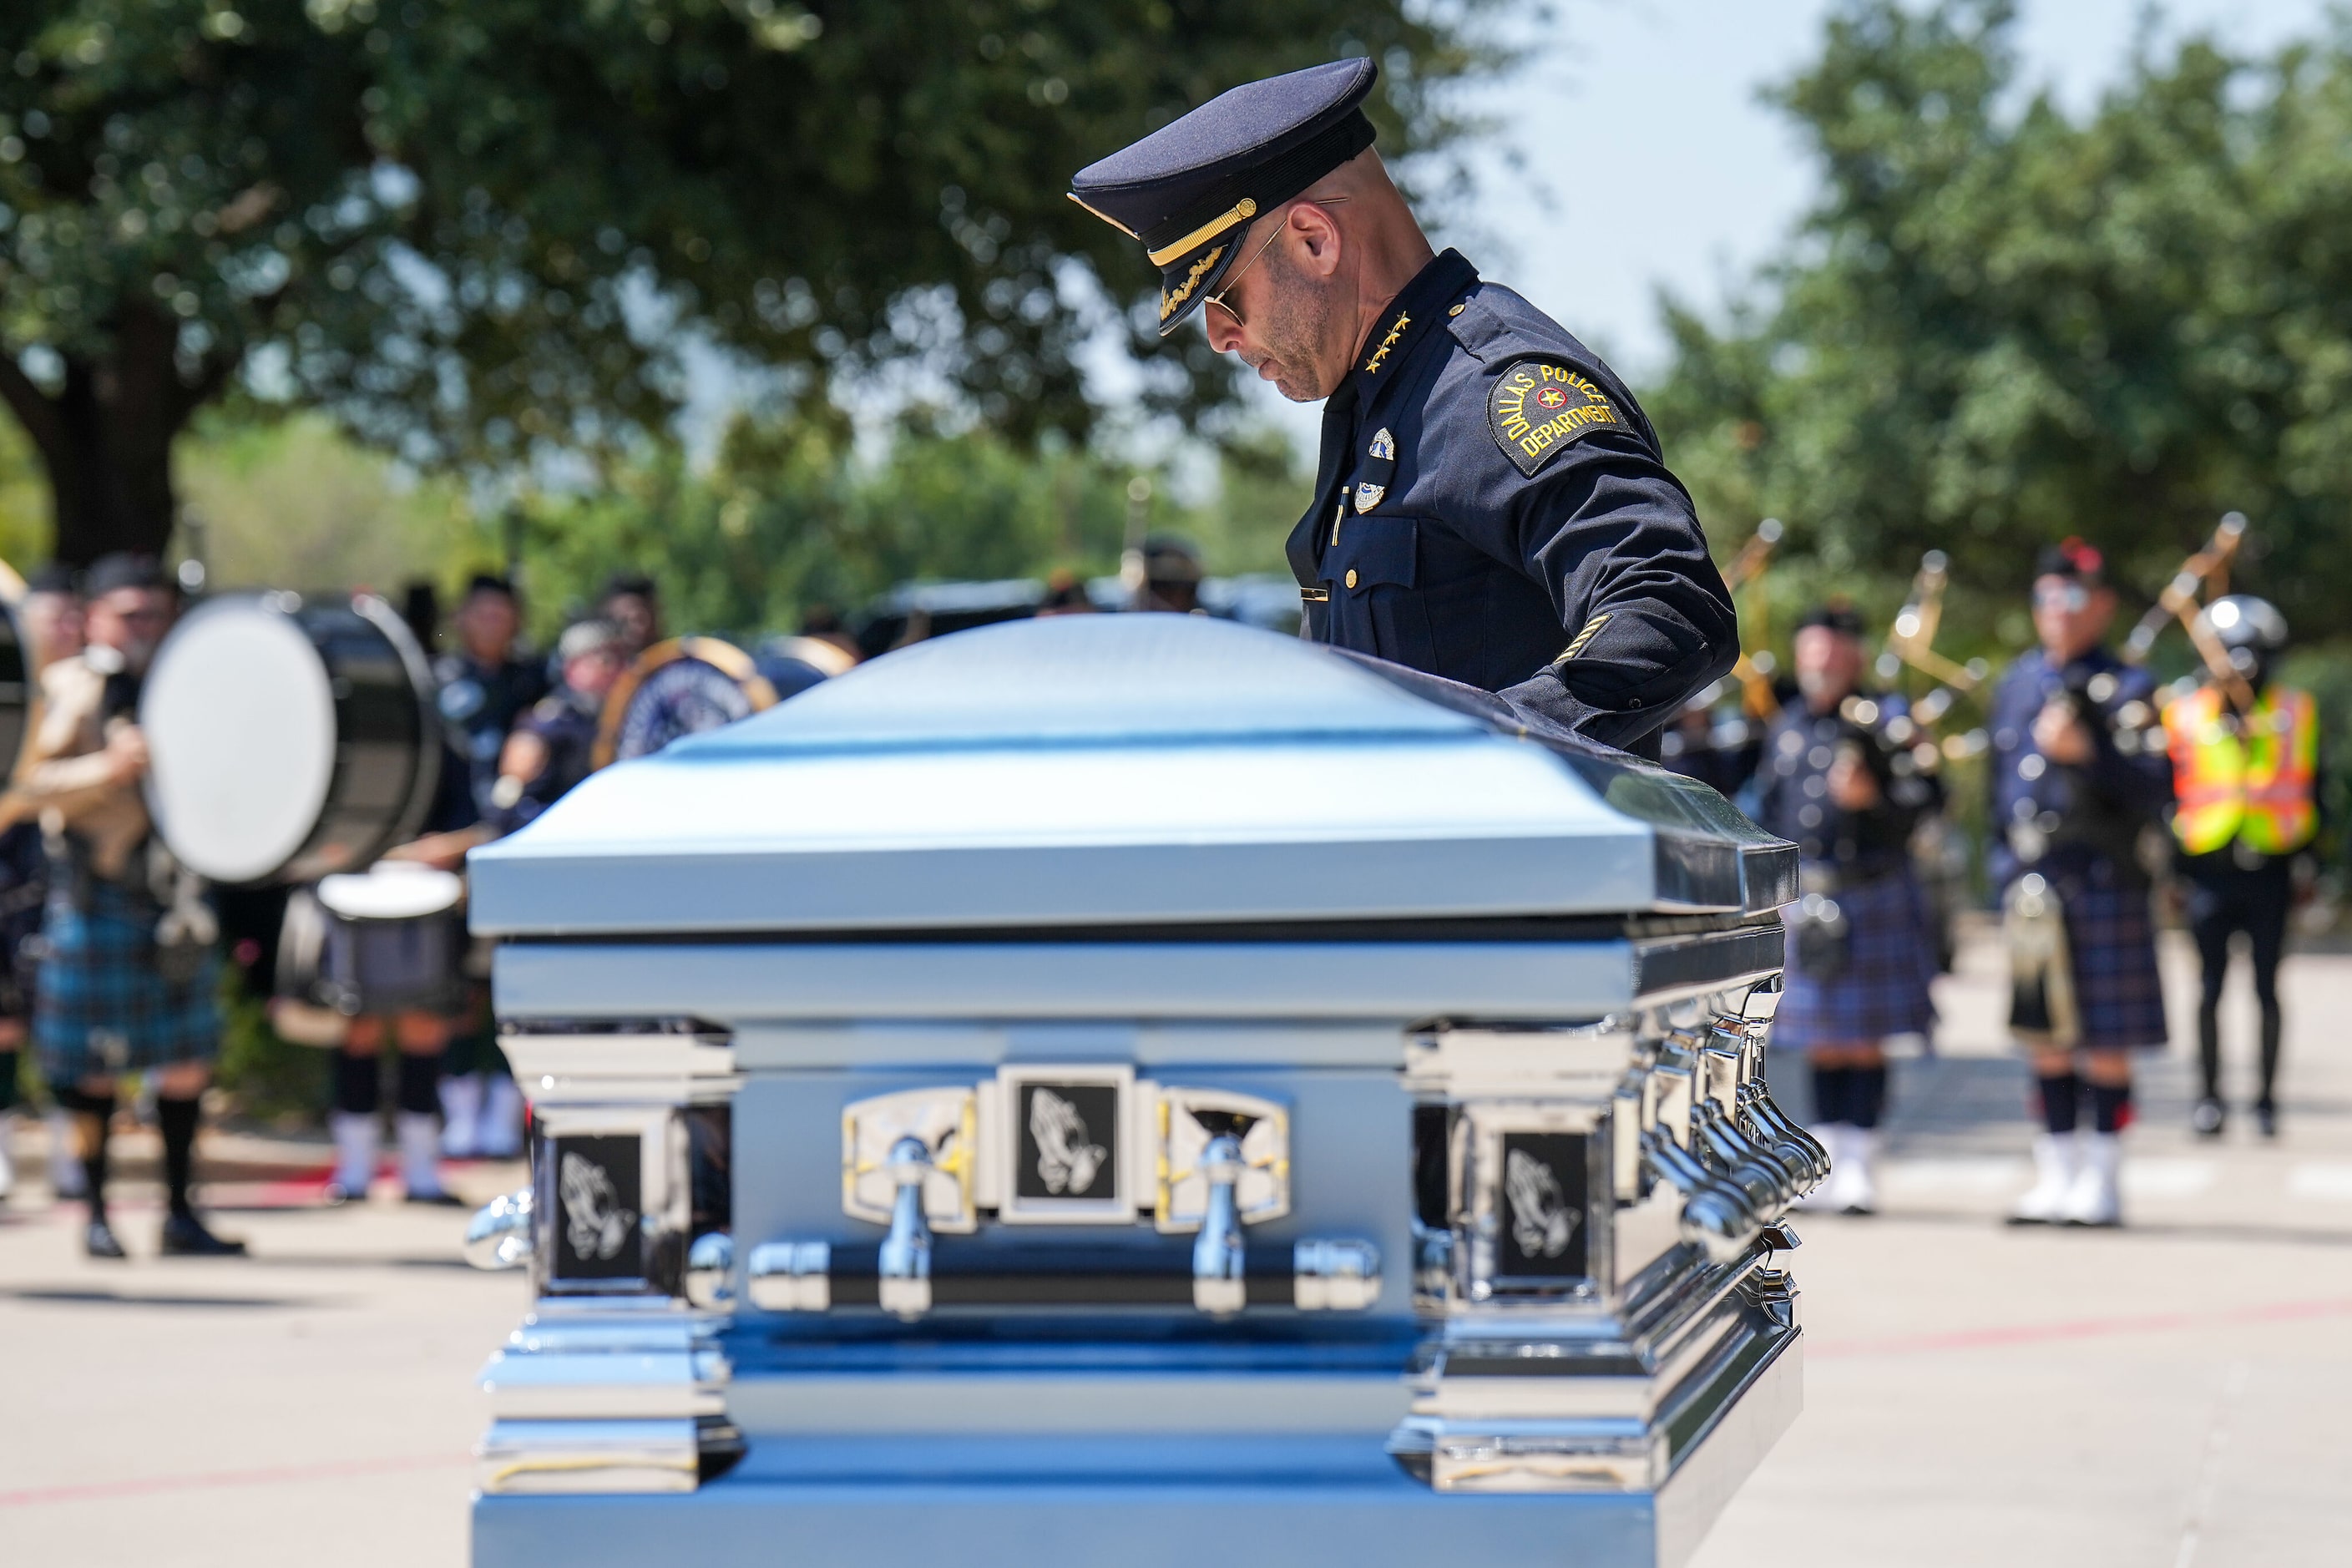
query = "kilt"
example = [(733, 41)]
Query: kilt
[(1882, 988), (2111, 936), (102, 1007)]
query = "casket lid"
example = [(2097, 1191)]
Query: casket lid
[(1119, 771)]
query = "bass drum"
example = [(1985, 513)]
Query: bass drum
[(293, 737), (676, 688), (19, 691)]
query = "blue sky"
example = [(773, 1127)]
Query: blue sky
[(1702, 181)]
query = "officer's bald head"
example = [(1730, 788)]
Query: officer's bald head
[(1316, 272)]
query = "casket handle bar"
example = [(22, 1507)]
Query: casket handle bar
[(1218, 1254), (904, 1263), (1716, 1216)]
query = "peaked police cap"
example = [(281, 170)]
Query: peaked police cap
[(1190, 190)]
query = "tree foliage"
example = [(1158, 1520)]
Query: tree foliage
[(1999, 325), (476, 230)]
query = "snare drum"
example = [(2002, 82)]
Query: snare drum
[(292, 738), (390, 939)]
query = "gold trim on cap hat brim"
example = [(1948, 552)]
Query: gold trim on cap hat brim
[(1102, 215), (1241, 211)]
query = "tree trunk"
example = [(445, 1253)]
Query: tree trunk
[(105, 436)]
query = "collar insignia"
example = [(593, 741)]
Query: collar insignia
[(1396, 331), (1170, 302)]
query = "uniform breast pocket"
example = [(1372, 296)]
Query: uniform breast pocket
[(1372, 574)]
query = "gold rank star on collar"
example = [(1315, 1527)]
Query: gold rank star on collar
[(1396, 331)]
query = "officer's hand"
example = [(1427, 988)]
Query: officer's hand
[(2058, 735), (1852, 785), (126, 755)]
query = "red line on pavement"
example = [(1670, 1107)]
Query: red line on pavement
[(2083, 1329), (33, 1496)]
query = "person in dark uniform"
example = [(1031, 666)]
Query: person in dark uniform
[(1722, 752), (1491, 505), (484, 686), (131, 967), (1840, 782), (2079, 771), (2247, 809), (632, 602), (554, 746)]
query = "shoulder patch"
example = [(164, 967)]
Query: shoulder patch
[(1539, 405)]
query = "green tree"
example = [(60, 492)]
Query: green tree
[(478, 231), (1999, 325)]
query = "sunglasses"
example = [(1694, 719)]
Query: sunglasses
[(2072, 598), (1218, 299)]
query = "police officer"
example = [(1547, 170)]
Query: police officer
[(1842, 780), (2247, 805), (1490, 504), (2078, 771), (484, 687)]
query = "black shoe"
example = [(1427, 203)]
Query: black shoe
[(184, 1235), (2266, 1117), (438, 1200), (2209, 1116), (100, 1241)]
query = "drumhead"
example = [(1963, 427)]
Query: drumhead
[(392, 891), (679, 688), (239, 712), (291, 739)]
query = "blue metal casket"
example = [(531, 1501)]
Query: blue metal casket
[(1136, 1091)]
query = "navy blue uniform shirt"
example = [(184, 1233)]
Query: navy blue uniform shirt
[(2076, 822), (479, 704), (567, 723), (1794, 802), (1491, 506)]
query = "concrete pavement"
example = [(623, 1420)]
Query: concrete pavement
[(2169, 1395)]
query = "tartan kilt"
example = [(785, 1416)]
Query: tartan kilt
[(1884, 988), (101, 1006), (2111, 937)]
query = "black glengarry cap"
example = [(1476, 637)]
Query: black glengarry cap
[(1190, 190)]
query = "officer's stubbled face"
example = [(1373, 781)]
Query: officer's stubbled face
[(1829, 666), (2071, 616), (487, 624), (1279, 314)]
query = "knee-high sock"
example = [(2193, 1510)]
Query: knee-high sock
[(92, 1119), (2111, 1107), (176, 1119), (1866, 1095), (1830, 1092), (2060, 1112), (359, 1083)]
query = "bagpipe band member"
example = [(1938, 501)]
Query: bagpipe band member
[(485, 688), (131, 968), (2079, 771), (1843, 779), (1491, 506), (2247, 809)]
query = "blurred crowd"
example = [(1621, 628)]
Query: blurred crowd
[(110, 1005), (2110, 799)]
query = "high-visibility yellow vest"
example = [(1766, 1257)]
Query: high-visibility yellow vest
[(2250, 778)]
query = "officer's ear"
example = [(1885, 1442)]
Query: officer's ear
[(1312, 234)]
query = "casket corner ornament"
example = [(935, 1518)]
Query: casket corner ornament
[(1245, 1066)]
